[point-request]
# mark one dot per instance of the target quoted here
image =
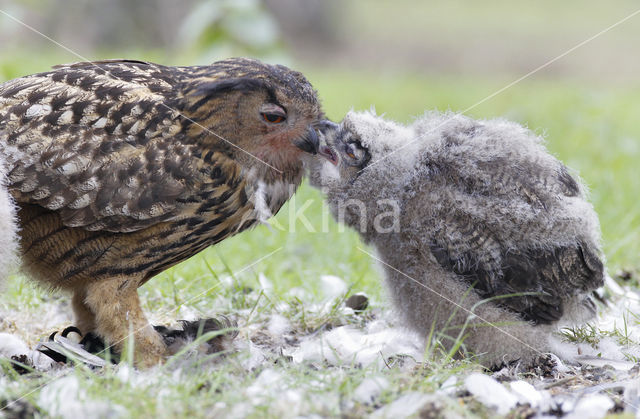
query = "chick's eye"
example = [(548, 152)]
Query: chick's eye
[(273, 118), (355, 154), (350, 151)]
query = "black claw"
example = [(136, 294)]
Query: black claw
[(70, 329), (190, 331), (90, 342)]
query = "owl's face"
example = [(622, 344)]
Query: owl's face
[(360, 149), (265, 112), (345, 150), (363, 175)]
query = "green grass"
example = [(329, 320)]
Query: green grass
[(593, 128)]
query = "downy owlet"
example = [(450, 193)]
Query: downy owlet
[(492, 241)]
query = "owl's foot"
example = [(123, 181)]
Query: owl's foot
[(85, 319), (90, 350), (60, 347), (218, 335), (120, 321)]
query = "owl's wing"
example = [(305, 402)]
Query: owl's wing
[(104, 153), (109, 184), (543, 277)]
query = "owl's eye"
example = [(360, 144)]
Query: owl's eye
[(356, 153), (273, 118), (350, 151), (350, 154), (273, 114)]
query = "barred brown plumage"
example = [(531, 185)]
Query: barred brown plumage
[(121, 169)]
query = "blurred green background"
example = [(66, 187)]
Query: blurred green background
[(402, 57)]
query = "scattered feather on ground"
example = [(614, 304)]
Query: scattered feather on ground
[(279, 366)]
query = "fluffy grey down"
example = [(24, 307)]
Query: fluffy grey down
[(484, 211)]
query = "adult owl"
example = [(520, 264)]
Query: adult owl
[(121, 169)]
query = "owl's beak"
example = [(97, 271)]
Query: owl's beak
[(309, 142)]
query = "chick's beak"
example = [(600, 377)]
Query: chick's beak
[(311, 142), (327, 128), (328, 153)]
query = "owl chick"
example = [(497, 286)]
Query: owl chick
[(121, 169), (475, 223)]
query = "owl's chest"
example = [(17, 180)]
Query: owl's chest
[(268, 198), (230, 208), (222, 211)]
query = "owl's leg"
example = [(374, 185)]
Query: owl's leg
[(118, 317), (85, 319)]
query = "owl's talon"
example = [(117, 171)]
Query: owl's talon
[(71, 329)]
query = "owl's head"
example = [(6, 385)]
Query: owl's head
[(366, 163), (364, 146), (262, 112)]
